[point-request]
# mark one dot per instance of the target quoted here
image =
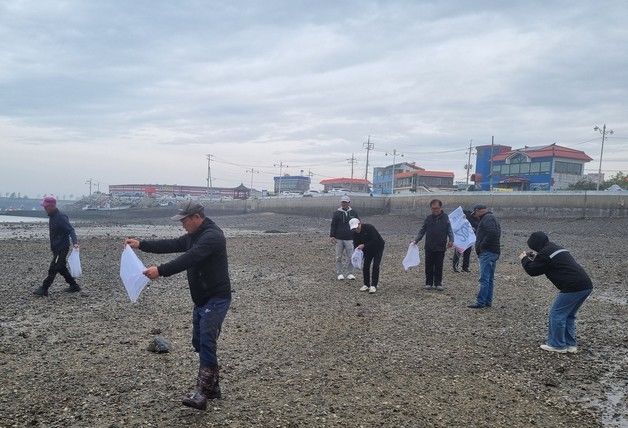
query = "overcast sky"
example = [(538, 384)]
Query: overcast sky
[(141, 91)]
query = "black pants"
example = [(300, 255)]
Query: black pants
[(376, 258), (58, 265), (466, 256), (434, 267)]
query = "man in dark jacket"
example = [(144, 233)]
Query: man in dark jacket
[(466, 255), (487, 247), (438, 237), (368, 239), (61, 232), (340, 235), (204, 257), (572, 281)]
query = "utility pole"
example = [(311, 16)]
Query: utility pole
[(468, 166), (209, 173), (394, 154), (604, 132), (90, 181), (252, 171), (352, 160), (98, 186), (281, 167), (490, 173), (368, 146)]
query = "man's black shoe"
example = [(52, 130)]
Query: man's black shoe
[(466, 270), (456, 270), (477, 306), (73, 288), (41, 291)]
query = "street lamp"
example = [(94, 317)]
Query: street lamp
[(604, 132)]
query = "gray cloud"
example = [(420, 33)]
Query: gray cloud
[(123, 90)]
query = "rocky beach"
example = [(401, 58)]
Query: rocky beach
[(298, 347)]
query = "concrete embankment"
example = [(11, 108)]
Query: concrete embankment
[(505, 205), (541, 205)]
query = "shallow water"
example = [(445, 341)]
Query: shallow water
[(18, 219)]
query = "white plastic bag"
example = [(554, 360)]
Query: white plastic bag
[(464, 237), (132, 273), (74, 263), (412, 257), (357, 258)]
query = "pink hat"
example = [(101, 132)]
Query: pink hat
[(49, 201)]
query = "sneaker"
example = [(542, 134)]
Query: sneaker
[(372, 289), (477, 306), (341, 277), (456, 270), (351, 276), (466, 270), (364, 288), (73, 288), (440, 287), (41, 291), (552, 349), (572, 349), (427, 286)]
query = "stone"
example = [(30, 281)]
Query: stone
[(159, 345)]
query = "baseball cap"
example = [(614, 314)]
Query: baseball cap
[(187, 209), (345, 198), (353, 223), (49, 201), (479, 207)]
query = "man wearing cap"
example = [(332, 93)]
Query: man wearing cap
[(487, 247), (340, 235), (204, 249), (61, 232), (368, 239), (438, 237)]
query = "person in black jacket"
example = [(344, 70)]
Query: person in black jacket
[(61, 233), (487, 247), (466, 255), (341, 236), (572, 281), (368, 239), (438, 237), (204, 249)]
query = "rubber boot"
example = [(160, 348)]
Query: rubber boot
[(197, 399), (213, 387)]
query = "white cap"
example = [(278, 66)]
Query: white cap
[(345, 198), (353, 223)]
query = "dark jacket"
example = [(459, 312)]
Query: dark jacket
[(488, 234), (205, 259), (557, 264), (370, 237), (61, 231), (340, 224), (472, 219), (436, 229)]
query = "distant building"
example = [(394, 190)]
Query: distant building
[(409, 177), (412, 180), (382, 176), (240, 192), (549, 167), (352, 184), (292, 183), (593, 177)]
